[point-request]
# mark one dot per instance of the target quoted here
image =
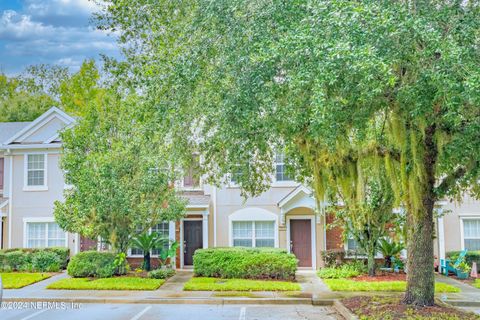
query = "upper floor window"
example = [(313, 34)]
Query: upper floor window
[(471, 234), (236, 175), (280, 168), (191, 179), (36, 170)]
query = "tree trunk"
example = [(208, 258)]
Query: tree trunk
[(371, 263), (420, 259), (146, 261)]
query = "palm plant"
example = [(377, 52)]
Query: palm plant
[(167, 252), (389, 249), (147, 242)]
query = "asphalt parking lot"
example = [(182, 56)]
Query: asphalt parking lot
[(167, 312)]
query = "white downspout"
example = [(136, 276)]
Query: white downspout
[(214, 216), (10, 198)]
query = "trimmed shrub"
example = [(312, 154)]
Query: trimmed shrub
[(245, 263), (62, 253), (347, 270), (45, 261), (161, 273), (333, 257), (92, 264), (21, 259), (17, 260), (470, 257)]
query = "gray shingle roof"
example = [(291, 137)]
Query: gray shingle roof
[(9, 129), (196, 198)]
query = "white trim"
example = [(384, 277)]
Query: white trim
[(40, 220), (462, 236), (10, 200), (462, 239), (214, 198), (43, 187), (441, 237), (313, 235), (252, 214), (33, 146), (293, 194), (40, 121), (4, 204)]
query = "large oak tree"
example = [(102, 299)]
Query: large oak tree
[(338, 84)]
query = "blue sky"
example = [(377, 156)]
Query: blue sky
[(50, 31)]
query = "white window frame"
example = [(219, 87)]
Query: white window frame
[(171, 236), (253, 214), (254, 237), (281, 183), (462, 228), (43, 187), (40, 220)]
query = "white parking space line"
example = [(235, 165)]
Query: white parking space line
[(242, 313), (141, 313), (34, 314)]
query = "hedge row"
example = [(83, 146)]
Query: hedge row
[(471, 256), (40, 260), (246, 263)]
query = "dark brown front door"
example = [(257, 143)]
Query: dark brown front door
[(301, 241), (192, 240)]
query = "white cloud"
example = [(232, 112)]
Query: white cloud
[(19, 26), (51, 31)]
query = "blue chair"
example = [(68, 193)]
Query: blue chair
[(446, 264)]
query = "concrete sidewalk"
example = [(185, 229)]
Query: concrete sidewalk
[(313, 292)]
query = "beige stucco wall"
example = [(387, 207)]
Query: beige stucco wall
[(469, 207), (229, 201), (35, 204)]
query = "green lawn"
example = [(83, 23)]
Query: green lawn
[(476, 284), (215, 284), (351, 285), (118, 283), (16, 280)]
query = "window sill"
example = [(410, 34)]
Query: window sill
[(285, 184), (35, 188)]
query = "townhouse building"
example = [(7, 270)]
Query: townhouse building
[(285, 216)]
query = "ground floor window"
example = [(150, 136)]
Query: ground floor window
[(44, 235), (253, 233), (471, 234), (163, 230)]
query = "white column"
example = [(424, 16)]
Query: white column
[(1, 229), (441, 237), (205, 228)]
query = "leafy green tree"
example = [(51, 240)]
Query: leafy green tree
[(18, 104), (27, 96), (120, 175), (367, 217), (335, 83)]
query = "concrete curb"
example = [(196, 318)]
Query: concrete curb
[(211, 301), (344, 311), (462, 303)]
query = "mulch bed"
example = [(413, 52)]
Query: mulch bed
[(382, 276), (379, 307)]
